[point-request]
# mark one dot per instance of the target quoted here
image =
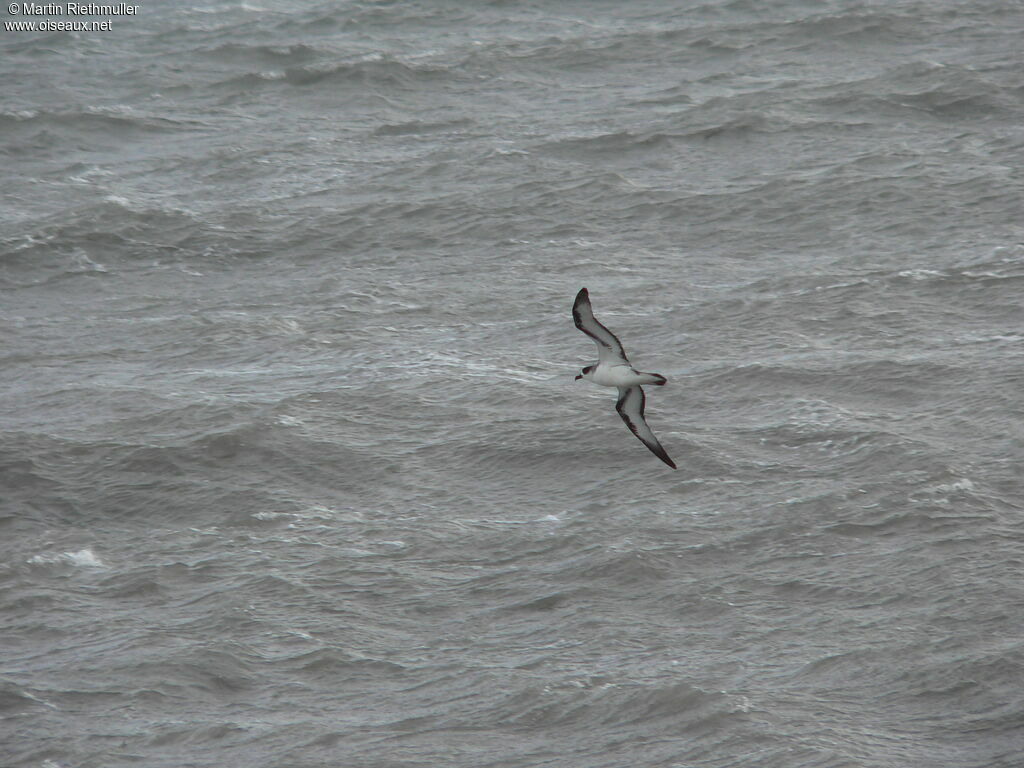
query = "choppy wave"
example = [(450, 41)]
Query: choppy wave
[(295, 469)]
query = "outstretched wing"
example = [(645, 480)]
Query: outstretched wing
[(609, 348), (631, 408)]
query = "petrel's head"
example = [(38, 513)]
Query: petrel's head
[(585, 371)]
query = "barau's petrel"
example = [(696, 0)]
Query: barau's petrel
[(613, 370)]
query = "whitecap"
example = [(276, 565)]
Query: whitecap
[(921, 274), (83, 558), (963, 484)]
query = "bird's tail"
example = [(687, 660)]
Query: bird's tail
[(653, 378)]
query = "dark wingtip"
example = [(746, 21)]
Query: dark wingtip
[(664, 457), (581, 298)]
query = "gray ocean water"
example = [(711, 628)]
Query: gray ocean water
[(294, 471)]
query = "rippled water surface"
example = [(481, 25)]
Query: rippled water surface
[(294, 470)]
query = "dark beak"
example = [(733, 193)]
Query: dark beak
[(578, 377)]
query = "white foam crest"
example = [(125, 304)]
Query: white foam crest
[(83, 263), (921, 274), (83, 558), (963, 484)]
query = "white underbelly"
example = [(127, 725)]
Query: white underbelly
[(617, 376)]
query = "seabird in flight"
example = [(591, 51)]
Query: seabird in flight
[(613, 370)]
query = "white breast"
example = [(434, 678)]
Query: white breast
[(615, 376)]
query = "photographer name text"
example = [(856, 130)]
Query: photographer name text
[(72, 9)]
